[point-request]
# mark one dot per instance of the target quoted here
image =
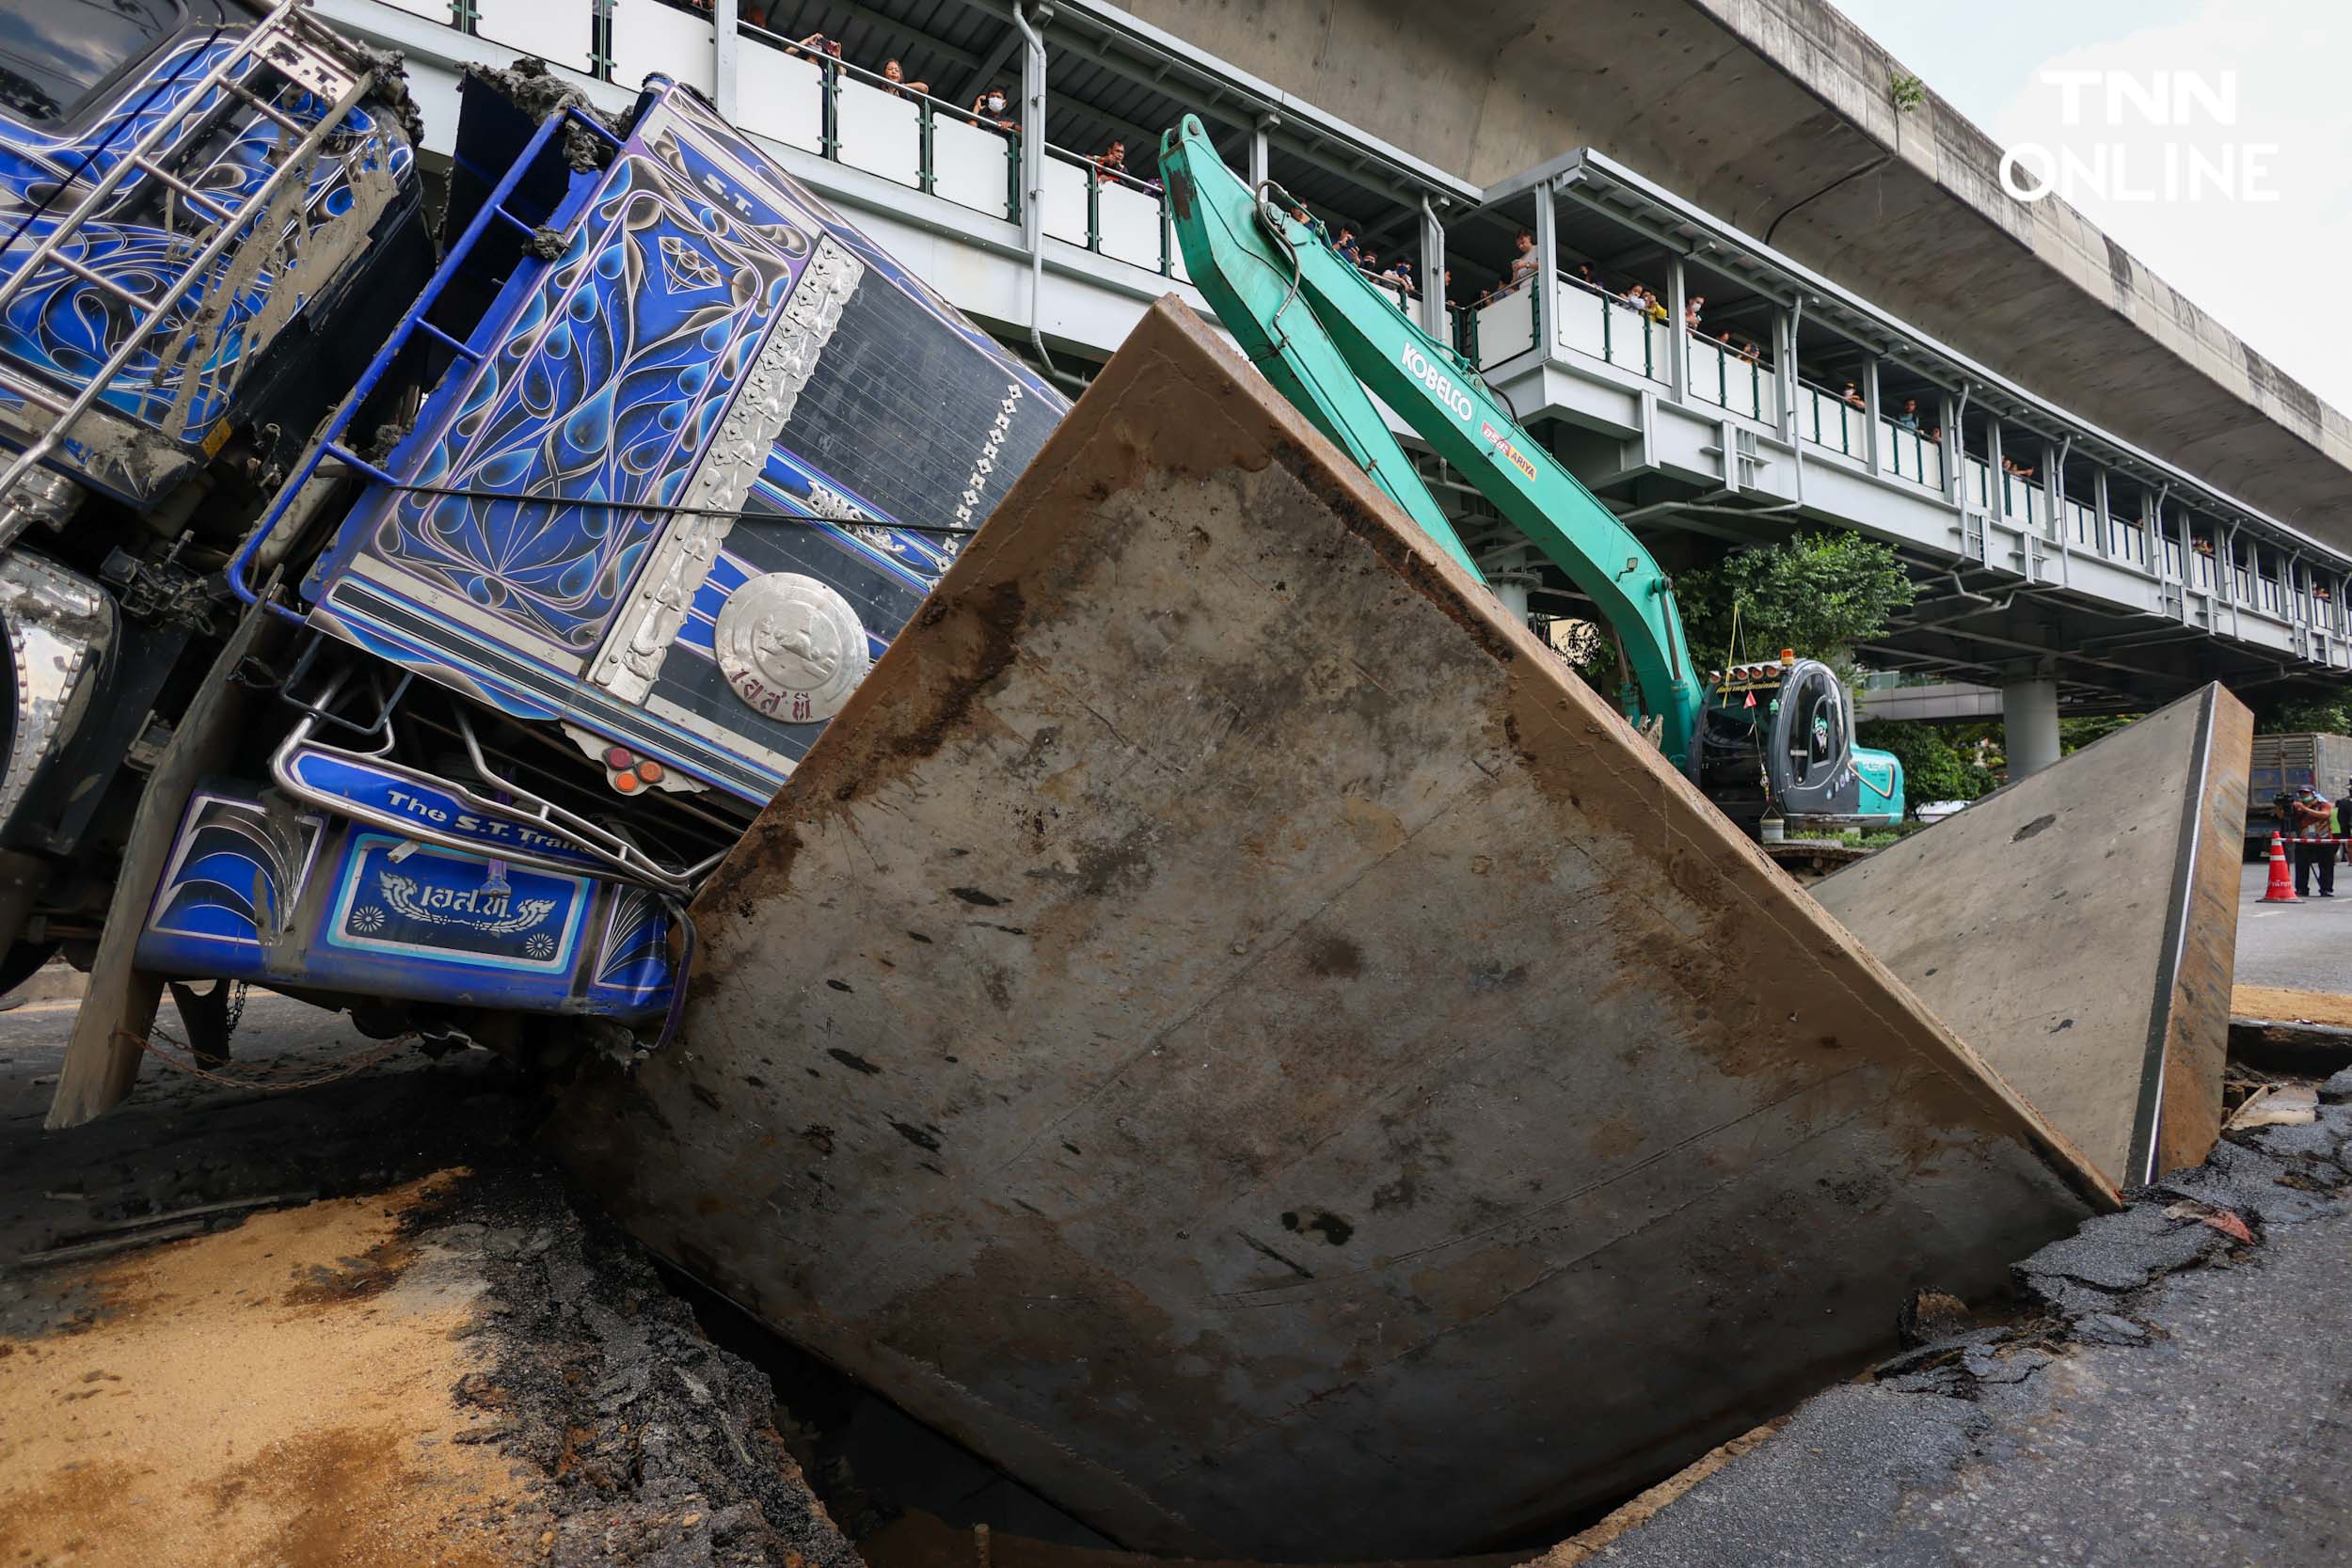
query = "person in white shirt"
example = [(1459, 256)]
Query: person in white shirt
[(1523, 265)]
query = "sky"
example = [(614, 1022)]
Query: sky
[(2211, 138)]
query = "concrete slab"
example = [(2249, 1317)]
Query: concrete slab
[(1227, 1027), (2079, 929)]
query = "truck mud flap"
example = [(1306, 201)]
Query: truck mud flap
[(2079, 929), (1229, 1027), (102, 1054)]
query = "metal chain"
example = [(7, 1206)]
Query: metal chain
[(179, 1055)]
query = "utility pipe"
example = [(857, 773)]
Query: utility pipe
[(1033, 196)]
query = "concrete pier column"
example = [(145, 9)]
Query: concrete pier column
[(2029, 724), (1511, 593)]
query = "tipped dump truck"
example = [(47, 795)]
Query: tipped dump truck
[(1228, 1025)]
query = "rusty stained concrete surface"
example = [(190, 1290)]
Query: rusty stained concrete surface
[(2079, 929), (1230, 1028)]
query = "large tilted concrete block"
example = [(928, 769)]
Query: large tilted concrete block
[(2080, 928), (1229, 1027)]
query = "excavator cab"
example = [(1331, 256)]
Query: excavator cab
[(1777, 738)]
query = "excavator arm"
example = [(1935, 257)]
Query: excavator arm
[(1322, 333)]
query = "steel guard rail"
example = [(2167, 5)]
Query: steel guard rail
[(329, 441)]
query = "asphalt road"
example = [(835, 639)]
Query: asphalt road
[(181, 1143), (2201, 1419), (2301, 946)]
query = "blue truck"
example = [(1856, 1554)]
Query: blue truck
[(408, 611), (429, 691)]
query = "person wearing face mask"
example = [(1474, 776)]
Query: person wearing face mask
[(991, 105)]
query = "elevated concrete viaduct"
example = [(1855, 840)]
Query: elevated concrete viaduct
[(1777, 115)]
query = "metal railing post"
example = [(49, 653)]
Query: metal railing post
[(724, 46), (1547, 258), (926, 177), (1094, 210), (1012, 176), (1997, 503), (1678, 331), (1433, 304), (599, 38), (829, 132), (1871, 434)]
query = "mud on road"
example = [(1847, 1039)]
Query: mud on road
[(428, 1357)]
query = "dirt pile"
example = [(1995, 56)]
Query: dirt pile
[(424, 1366), (456, 1372), (654, 1446), (276, 1393)]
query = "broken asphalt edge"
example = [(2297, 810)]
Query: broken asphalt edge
[(2098, 1288)]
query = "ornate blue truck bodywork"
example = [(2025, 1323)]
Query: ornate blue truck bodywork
[(201, 204), (268, 136), (671, 493)]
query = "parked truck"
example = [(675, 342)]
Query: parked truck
[(2283, 764)]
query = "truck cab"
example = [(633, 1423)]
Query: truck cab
[(206, 203)]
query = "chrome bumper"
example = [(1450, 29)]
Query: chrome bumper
[(59, 627)]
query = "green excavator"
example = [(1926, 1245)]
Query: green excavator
[(1768, 740)]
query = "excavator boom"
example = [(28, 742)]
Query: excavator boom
[(1318, 327)]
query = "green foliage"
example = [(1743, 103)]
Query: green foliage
[(2076, 734), (1877, 838), (1938, 764), (1907, 91), (1819, 593), (2304, 715)]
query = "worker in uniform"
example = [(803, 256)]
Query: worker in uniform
[(2313, 817)]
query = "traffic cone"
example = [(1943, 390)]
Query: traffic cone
[(2282, 889)]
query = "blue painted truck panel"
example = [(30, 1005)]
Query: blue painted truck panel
[(715, 381), (707, 450), (255, 892), (208, 366)]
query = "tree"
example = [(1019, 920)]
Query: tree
[(1938, 763), (1819, 594), (2076, 734), (2304, 715)]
